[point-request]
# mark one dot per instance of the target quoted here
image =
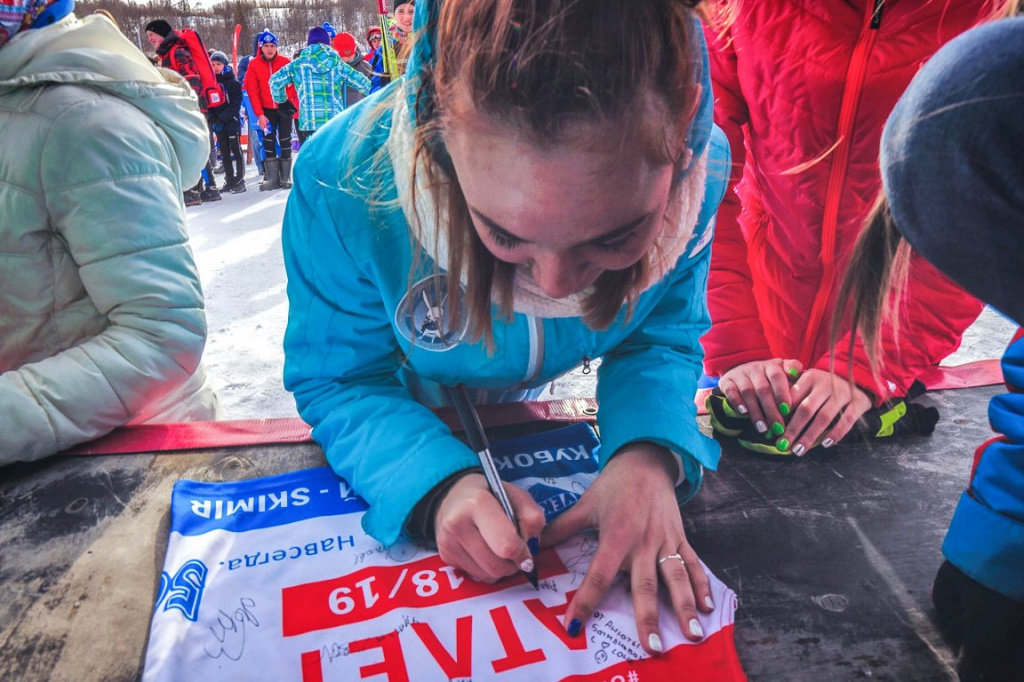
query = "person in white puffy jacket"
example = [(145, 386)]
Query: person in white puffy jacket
[(101, 309)]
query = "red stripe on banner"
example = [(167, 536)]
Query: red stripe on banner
[(311, 670), (376, 590), (713, 660)]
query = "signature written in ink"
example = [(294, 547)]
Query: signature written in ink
[(229, 630)]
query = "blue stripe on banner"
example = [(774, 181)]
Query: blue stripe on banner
[(537, 461), (238, 506), (555, 467), (552, 454)]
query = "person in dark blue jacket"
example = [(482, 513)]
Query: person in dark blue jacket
[(226, 122), (493, 219), (954, 182)]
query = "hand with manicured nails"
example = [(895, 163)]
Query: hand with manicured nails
[(794, 410), (895, 417), (474, 534), (632, 504), (762, 391), (825, 408)]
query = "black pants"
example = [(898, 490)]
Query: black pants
[(304, 135), (282, 126), (231, 154)]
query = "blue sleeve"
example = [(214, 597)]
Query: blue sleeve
[(986, 536), (342, 356), (377, 63), (664, 356)]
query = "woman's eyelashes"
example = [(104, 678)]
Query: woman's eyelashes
[(620, 243), (617, 244), (503, 240)]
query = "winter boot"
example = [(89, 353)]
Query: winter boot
[(286, 173), (238, 187), (192, 198), (273, 179), (211, 193)]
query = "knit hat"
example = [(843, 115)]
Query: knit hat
[(345, 44), (951, 165), (17, 15), (373, 32), (399, 3), (159, 27), (219, 56), (266, 37), (330, 29), (318, 35)]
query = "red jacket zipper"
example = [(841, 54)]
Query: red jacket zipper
[(837, 175)]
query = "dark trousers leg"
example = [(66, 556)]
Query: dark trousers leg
[(231, 155), (270, 140), (304, 135), (284, 135)]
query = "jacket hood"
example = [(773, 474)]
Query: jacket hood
[(424, 53), (93, 53), (322, 58), (169, 41)]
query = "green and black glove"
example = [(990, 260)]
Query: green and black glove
[(728, 424), (895, 417)]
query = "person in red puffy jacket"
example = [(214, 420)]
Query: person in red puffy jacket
[(275, 120), (802, 89)]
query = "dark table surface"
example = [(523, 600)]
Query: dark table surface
[(832, 555)]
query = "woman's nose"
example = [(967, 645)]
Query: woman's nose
[(558, 275)]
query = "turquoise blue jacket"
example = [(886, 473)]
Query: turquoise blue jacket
[(365, 388)]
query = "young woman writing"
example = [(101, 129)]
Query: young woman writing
[(537, 190)]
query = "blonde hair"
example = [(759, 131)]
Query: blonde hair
[(544, 68), (873, 284)]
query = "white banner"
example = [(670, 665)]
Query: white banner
[(274, 579)]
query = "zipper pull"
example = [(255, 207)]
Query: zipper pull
[(586, 364), (876, 16)]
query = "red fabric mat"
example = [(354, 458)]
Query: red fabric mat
[(196, 435), (968, 375), (222, 434)]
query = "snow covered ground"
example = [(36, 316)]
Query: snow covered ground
[(237, 245)]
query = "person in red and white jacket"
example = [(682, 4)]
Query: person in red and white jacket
[(802, 89), (274, 119)]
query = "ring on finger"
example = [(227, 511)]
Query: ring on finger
[(671, 556)]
